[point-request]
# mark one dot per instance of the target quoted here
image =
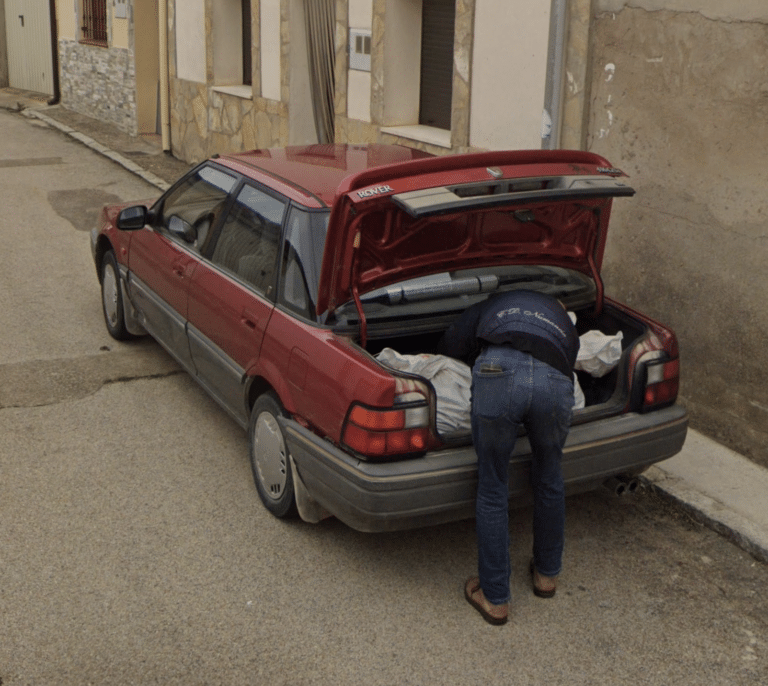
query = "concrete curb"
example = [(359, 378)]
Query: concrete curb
[(715, 515), (98, 147)]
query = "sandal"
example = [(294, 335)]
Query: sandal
[(493, 614), (537, 589)]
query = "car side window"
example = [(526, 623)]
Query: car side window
[(302, 259), (198, 201), (247, 242)]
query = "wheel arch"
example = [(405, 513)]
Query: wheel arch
[(130, 316), (257, 385), (103, 246)]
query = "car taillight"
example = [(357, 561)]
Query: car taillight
[(662, 381), (654, 369), (397, 430)]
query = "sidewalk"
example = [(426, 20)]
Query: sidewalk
[(724, 490), (718, 487), (142, 155)]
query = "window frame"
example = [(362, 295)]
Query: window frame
[(310, 313), (94, 22), (402, 100), (232, 58), (159, 208), (271, 292)]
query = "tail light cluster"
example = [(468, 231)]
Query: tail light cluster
[(654, 369), (662, 381), (385, 431)]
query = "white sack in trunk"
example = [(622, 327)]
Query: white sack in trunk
[(578, 395), (452, 380), (599, 353)]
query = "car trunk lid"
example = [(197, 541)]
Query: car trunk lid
[(402, 221)]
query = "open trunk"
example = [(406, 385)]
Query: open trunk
[(604, 395)]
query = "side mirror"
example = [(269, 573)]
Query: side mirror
[(132, 218), (181, 228)]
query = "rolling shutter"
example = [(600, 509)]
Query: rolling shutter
[(437, 30), (29, 45)]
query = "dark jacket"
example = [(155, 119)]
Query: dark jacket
[(530, 322)]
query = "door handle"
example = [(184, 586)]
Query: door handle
[(179, 268), (250, 319)]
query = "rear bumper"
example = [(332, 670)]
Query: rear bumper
[(441, 486)]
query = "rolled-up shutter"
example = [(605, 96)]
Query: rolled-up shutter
[(437, 30)]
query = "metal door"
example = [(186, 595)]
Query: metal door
[(30, 50)]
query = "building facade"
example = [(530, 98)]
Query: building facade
[(425, 72), (108, 57)]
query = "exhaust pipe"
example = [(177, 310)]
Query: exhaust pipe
[(621, 485)]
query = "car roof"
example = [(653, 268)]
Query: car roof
[(311, 174)]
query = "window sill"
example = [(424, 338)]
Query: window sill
[(94, 42), (423, 134), (245, 92)]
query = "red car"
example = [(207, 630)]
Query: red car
[(275, 277)]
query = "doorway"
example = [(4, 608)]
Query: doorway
[(30, 45)]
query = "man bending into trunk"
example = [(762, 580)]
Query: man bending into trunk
[(523, 347)]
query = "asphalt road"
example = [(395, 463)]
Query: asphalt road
[(134, 550)]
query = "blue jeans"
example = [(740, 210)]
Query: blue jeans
[(510, 388)]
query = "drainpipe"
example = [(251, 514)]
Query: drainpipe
[(165, 107), (54, 54), (553, 98)]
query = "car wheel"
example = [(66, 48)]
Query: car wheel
[(112, 298), (270, 460)]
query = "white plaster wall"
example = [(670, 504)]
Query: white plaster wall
[(360, 14), (402, 55), (301, 120), (509, 73), (359, 95), (270, 49), (740, 10), (119, 37), (190, 40), (66, 20)]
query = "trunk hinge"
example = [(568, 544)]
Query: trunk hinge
[(356, 294), (598, 285)]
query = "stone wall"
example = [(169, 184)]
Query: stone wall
[(205, 122), (679, 100), (100, 83)]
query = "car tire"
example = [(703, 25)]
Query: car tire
[(112, 298), (270, 460)]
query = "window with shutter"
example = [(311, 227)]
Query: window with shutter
[(437, 33), (94, 26)]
